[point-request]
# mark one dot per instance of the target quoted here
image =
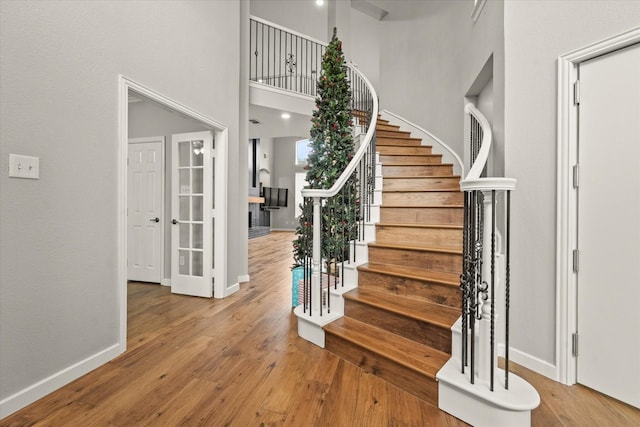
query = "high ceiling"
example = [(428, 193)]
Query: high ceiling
[(272, 124)]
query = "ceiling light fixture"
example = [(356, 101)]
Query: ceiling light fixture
[(319, 2), (285, 115)]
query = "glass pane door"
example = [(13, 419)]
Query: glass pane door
[(190, 214), (191, 194)]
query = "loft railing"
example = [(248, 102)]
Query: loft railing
[(485, 268), (284, 59), (350, 198)]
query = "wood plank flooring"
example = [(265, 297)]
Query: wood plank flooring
[(239, 362)]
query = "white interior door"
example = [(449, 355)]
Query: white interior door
[(609, 225), (144, 208), (192, 200)]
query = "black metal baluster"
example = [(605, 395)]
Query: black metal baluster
[(507, 289), (473, 296), (493, 275), (463, 282)]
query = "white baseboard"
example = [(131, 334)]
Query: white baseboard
[(40, 389), (283, 229), (166, 282), (530, 362), (231, 290), (243, 278)]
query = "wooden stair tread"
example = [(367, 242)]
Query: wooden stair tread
[(410, 354), (423, 177), (427, 312), (394, 134), (414, 164), (427, 190), (415, 273), (388, 141), (424, 206), (415, 247), (442, 226)]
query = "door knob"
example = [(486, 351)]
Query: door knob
[(174, 221), (156, 219)]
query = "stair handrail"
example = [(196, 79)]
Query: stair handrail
[(479, 161), (364, 145), (435, 139)]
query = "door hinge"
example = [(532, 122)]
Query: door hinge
[(574, 344), (576, 260), (576, 176), (576, 92)]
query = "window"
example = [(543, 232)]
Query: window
[(303, 149)]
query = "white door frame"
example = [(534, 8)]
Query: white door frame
[(566, 208), (221, 135), (161, 140)]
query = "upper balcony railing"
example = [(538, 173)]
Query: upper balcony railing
[(283, 58)]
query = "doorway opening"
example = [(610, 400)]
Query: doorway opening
[(567, 255), (145, 113)]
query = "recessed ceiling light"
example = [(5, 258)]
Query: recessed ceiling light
[(285, 115), (319, 2)]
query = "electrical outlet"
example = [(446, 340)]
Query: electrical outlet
[(24, 166)]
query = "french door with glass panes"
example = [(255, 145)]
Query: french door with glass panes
[(192, 215)]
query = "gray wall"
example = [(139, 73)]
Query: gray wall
[(430, 59), (536, 34), (303, 17), (59, 101), (149, 119), (284, 177)]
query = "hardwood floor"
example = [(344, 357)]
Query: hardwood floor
[(239, 362)]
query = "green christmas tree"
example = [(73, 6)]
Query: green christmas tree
[(332, 150)]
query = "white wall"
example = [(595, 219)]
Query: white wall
[(59, 101), (365, 46), (149, 119), (536, 34), (301, 16), (430, 59)]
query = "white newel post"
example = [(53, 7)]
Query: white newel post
[(315, 268), (484, 351)]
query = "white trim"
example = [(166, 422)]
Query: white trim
[(221, 133), (281, 91), (488, 184), (61, 378), (566, 209), (166, 282), (161, 140), (230, 290), (530, 362), (221, 142), (243, 278), (288, 30)]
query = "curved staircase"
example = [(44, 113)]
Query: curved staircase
[(397, 322)]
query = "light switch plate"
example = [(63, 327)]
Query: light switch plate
[(24, 166)]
